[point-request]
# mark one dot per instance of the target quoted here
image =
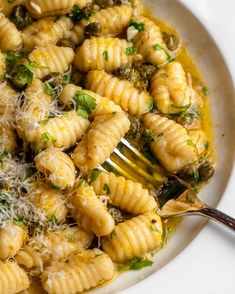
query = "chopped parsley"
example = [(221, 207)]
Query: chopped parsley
[(190, 143), (55, 187), (84, 104), (10, 1), (205, 91), (138, 26), (159, 47), (23, 73), (154, 228), (106, 188), (130, 50), (47, 138), (106, 55), (139, 263), (94, 175), (43, 122), (206, 145), (48, 89), (53, 219), (78, 14), (113, 234), (196, 176), (18, 222), (165, 237), (3, 156), (12, 58), (70, 238)]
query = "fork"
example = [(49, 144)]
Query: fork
[(175, 197)]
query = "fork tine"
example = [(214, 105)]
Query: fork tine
[(140, 156), (137, 169), (117, 168)]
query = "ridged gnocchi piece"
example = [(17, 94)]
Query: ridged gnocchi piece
[(83, 272), (134, 237), (113, 21), (172, 145), (90, 212), (122, 92), (8, 138), (6, 6), (42, 250), (138, 7), (12, 238), (40, 8), (199, 140), (46, 31), (125, 194), (148, 41), (169, 89), (2, 65), (102, 53), (36, 107), (49, 201), (57, 166), (10, 37), (51, 59), (103, 136), (103, 105), (63, 131), (13, 279), (8, 103)]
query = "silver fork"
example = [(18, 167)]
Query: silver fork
[(132, 164)]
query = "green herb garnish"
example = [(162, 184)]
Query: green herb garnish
[(106, 188), (47, 138), (43, 122), (84, 104), (94, 175), (190, 143), (138, 263), (55, 187), (138, 26), (159, 47), (205, 91), (106, 55), (48, 89), (130, 50), (154, 228), (18, 222), (53, 219)]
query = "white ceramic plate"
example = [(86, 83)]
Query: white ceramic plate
[(207, 265)]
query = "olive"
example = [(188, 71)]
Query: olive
[(93, 29), (66, 42), (20, 16)]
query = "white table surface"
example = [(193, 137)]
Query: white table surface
[(210, 268)]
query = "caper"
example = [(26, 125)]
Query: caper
[(206, 171), (20, 16), (104, 3), (172, 41), (93, 29), (87, 11), (66, 42)]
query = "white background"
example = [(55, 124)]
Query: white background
[(207, 266)]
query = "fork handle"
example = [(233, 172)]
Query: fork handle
[(218, 216)]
